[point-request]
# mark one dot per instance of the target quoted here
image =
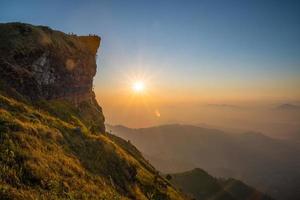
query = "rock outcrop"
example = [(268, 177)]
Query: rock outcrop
[(50, 146), (41, 63)]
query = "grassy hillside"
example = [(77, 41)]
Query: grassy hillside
[(48, 152), (200, 185)]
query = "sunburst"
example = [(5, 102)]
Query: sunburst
[(138, 86)]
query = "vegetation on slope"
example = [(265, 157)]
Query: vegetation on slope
[(53, 155)]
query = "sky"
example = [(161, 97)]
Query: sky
[(187, 53)]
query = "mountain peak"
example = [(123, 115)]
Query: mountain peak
[(39, 62), (44, 64), (52, 133)]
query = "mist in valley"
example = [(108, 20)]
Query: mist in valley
[(258, 145)]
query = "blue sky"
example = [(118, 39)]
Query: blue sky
[(195, 45)]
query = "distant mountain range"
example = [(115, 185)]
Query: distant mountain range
[(202, 186), (288, 106), (224, 106), (284, 106), (271, 165)]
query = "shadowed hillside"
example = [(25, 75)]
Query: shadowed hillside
[(201, 185)]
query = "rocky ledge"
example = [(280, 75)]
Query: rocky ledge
[(41, 63)]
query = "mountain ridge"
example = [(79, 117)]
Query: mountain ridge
[(287, 106), (201, 185), (52, 134), (246, 156)]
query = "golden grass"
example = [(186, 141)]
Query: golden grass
[(47, 155)]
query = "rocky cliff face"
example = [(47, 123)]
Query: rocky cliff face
[(41, 63), (49, 124)]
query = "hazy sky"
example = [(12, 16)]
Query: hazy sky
[(184, 51)]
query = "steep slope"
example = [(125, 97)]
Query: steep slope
[(53, 143), (267, 164), (203, 186)]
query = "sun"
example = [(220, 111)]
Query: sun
[(138, 86)]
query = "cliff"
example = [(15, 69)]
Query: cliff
[(41, 63), (50, 146)]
